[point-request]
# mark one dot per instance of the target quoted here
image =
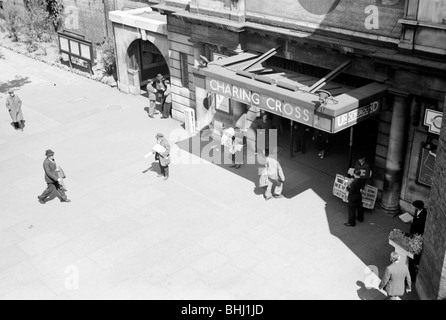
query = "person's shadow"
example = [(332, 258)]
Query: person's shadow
[(365, 293), (155, 167)]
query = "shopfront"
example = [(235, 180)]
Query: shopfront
[(238, 97)]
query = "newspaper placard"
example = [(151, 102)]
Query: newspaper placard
[(369, 194), (340, 187)]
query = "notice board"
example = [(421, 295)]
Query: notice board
[(426, 167)]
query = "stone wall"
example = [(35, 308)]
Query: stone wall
[(431, 280), (183, 94)]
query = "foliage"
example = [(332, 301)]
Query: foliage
[(108, 57), (412, 244), (14, 22), (37, 25), (55, 9)]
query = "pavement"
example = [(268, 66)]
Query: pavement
[(205, 233)]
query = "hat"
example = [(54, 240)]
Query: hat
[(11, 90), (49, 153), (418, 204), (159, 76), (159, 135)]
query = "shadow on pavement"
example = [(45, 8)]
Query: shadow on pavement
[(209, 149), (18, 82), (154, 167)]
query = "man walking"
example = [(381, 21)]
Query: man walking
[(167, 100), (396, 278), (14, 106), (355, 209), (52, 179), (151, 93), (275, 176)]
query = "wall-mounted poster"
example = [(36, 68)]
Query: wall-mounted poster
[(426, 166)]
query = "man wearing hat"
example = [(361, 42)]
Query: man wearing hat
[(419, 218), (355, 209), (52, 179), (167, 100), (164, 157), (364, 167), (14, 106), (417, 227), (160, 88), (151, 93)]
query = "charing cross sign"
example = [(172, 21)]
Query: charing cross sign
[(263, 101)]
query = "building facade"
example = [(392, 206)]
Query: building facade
[(381, 65)]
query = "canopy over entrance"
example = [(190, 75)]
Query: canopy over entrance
[(318, 103)]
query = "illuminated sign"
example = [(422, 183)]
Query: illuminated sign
[(263, 101), (433, 120), (354, 116)]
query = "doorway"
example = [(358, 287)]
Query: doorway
[(148, 61), (338, 157)]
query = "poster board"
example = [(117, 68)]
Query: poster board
[(369, 194), (340, 187), (426, 167)]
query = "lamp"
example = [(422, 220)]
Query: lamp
[(203, 62)]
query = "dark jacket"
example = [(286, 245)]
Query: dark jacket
[(354, 192), (51, 176), (418, 222)]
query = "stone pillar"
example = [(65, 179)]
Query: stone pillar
[(431, 279), (395, 154)]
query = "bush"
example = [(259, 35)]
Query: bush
[(14, 22), (55, 9), (108, 57), (37, 24)]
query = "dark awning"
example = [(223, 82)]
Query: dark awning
[(332, 108)]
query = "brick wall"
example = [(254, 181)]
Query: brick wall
[(431, 280)]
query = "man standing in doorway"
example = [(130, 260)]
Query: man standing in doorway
[(261, 126), (167, 100), (160, 88), (14, 106), (151, 94), (52, 179)]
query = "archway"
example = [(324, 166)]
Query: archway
[(146, 58)]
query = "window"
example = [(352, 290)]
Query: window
[(432, 11), (184, 70)]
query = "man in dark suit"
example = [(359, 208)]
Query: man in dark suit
[(419, 218), (355, 209), (364, 167), (396, 278), (52, 179), (417, 227)]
